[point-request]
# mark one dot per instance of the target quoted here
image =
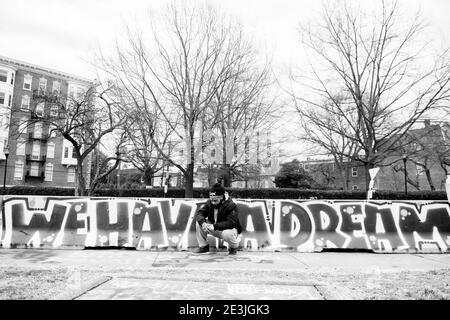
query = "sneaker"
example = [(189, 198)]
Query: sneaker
[(204, 249), (232, 251)]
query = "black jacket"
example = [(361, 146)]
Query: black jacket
[(227, 216)]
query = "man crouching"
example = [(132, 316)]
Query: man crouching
[(219, 218)]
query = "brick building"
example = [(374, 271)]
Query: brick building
[(324, 171), (426, 149), (425, 146), (35, 157)]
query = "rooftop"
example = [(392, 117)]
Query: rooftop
[(36, 68)]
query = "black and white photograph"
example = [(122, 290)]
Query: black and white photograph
[(229, 156)]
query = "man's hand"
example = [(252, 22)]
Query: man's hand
[(207, 226)]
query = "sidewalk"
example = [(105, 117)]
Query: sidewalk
[(125, 274)]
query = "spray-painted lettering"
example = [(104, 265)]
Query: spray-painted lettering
[(155, 223)]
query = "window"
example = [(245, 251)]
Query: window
[(52, 131), (51, 150), (420, 170), (66, 152), (54, 110), (23, 126), (20, 150), (354, 172), (2, 146), (27, 79), (355, 187), (38, 130), (49, 172), (42, 84), (74, 154), (34, 170), (80, 93), (12, 78), (26, 101), (40, 109), (18, 170), (71, 174), (56, 87), (71, 92), (36, 152), (76, 92), (4, 122), (3, 75), (3, 99)]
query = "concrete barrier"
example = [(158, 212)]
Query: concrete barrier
[(268, 225)]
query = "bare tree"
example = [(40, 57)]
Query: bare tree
[(143, 130), (102, 165), (330, 131), (387, 83), (174, 75), (241, 108), (429, 147)]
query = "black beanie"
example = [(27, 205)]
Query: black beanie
[(217, 189)]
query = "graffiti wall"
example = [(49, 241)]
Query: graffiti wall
[(269, 225)]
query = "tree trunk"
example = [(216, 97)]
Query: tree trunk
[(227, 176), (148, 175), (80, 189), (430, 181), (367, 167), (344, 176), (189, 175), (344, 173), (410, 181), (226, 169), (93, 186)]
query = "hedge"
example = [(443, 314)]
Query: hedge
[(238, 193)]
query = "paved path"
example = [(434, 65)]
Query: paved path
[(243, 260), (150, 289), (183, 275)]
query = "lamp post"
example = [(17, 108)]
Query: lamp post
[(118, 171), (404, 168), (6, 152)]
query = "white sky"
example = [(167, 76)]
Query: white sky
[(62, 34)]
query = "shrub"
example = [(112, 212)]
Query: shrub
[(50, 191), (237, 193)]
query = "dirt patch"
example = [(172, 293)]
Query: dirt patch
[(405, 285), (30, 283)]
